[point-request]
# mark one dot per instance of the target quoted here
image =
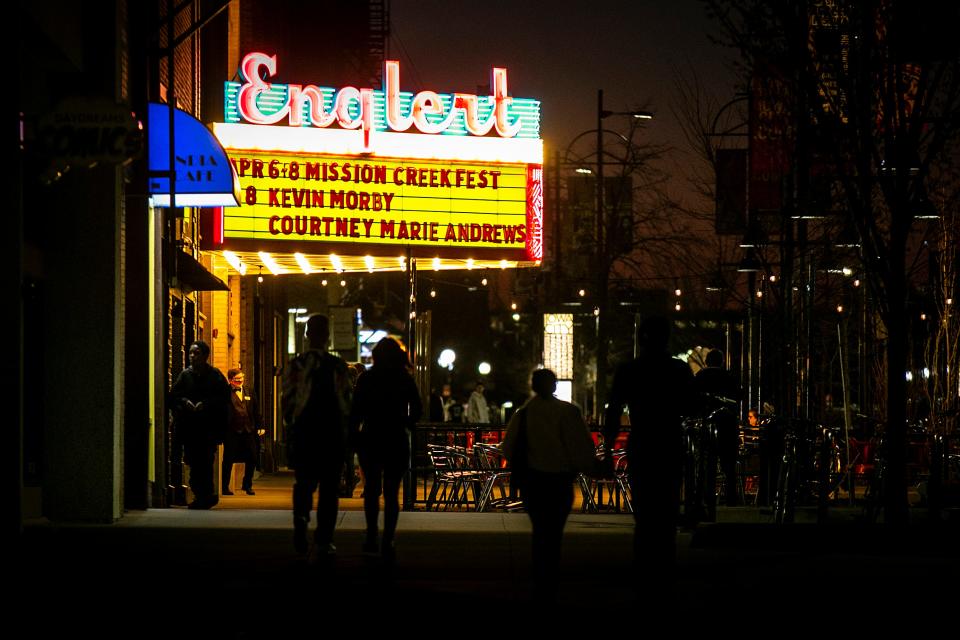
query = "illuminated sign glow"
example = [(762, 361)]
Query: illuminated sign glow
[(558, 344), (470, 181), (203, 176), (349, 199), (259, 102)]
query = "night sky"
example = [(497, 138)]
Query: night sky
[(561, 52)]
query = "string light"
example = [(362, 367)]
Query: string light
[(839, 308), (513, 305), (759, 293), (676, 307), (582, 292), (433, 293)]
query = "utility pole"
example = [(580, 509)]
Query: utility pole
[(602, 273)]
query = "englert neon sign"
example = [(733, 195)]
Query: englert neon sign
[(260, 102), (459, 171)]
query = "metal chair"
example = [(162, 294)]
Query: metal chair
[(492, 465), (618, 495)]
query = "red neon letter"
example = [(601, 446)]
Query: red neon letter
[(247, 99), (394, 120), (503, 100)]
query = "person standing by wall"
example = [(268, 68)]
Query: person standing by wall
[(241, 443), (316, 404), (199, 399), (557, 447), (385, 408)]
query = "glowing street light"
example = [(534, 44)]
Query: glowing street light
[(446, 359)]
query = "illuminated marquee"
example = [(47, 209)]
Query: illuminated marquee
[(469, 181), (259, 102)]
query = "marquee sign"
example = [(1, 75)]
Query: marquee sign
[(258, 102), (452, 175)]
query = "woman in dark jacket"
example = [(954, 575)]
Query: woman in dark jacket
[(386, 405)]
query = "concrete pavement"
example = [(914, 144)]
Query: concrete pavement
[(234, 571)]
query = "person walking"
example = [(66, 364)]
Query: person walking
[(199, 399), (386, 406), (657, 388), (316, 405), (241, 443), (553, 437)]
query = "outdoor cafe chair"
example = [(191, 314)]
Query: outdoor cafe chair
[(453, 478), (607, 493), (492, 464)]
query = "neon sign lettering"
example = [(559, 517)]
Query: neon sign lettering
[(375, 110)]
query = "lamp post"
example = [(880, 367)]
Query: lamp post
[(602, 265)]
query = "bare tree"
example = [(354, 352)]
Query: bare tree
[(942, 354), (873, 98), (641, 237)]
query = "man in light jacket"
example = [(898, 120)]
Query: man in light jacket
[(558, 447)]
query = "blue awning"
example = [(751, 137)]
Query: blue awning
[(204, 178)]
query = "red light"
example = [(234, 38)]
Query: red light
[(534, 212)]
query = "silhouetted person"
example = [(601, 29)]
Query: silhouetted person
[(558, 446), (715, 385), (771, 458), (385, 408), (199, 400), (316, 404), (657, 389), (241, 443), (436, 407), (455, 409), (348, 480)]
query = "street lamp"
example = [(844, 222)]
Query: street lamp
[(602, 253), (601, 114), (446, 359), (588, 162)]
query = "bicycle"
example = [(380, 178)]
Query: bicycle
[(873, 496), (804, 476), (699, 470)]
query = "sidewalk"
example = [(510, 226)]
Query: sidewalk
[(234, 567)]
